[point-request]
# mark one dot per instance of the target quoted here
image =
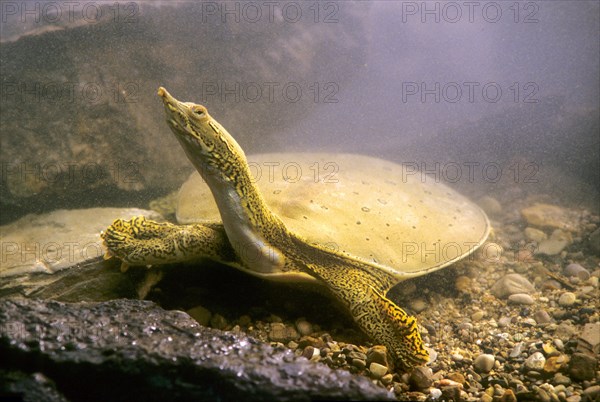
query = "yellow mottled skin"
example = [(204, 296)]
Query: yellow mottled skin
[(254, 239)]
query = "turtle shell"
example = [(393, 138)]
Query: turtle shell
[(386, 214)]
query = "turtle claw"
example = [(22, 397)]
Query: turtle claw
[(124, 267)]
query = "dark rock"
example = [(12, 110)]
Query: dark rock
[(17, 386), (421, 378), (134, 350), (582, 367)]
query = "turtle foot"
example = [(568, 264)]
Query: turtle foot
[(137, 241)]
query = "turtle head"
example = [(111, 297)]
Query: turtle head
[(207, 144)]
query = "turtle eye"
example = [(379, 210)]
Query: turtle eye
[(198, 110)]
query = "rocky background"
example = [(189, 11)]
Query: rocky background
[(80, 120)]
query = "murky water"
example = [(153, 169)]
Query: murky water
[(498, 100)]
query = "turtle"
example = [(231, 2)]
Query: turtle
[(357, 224)]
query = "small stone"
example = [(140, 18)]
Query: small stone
[(418, 305), (200, 314), (357, 355), (542, 317), (244, 320), (457, 377), (451, 393), (560, 378), (521, 298), (594, 241), (565, 331), (377, 370), (359, 364), (486, 398), (545, 215), (421, 378), (280, 333), (577, 271), (535, 235), (490, 205), (484, 363), (463, 283), (592, 393), (516, 350), (582, 367), (387, 379), (309, 352), (292, 345), (591, 335), (567, 299), (542, 395), (508, 396), (435, 394), (504, 321), (510, 284), (555, 244), (218, 321), (553, 364), (535, 362), (377, 354), (477, 316), (304, 327)]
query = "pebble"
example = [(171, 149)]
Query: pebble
[(555, 244), (535, 362), (510, 284), (594, 241), (418, 305), (484, 363), (576, 270), (508, 396), (359, 364), (281, 333), (567, 299), (477, 316), (200, 314), (457, 377), (546, 215), (504, 321), (304, 327), (387, 379), (582, 366), (377, 354), (377, 370), (521, 298), (542, 317), (516, 350), (591, 335), (565, 331), (560, 378), (435, 393), (535, 235), (218, 321), (463, 283), (555, 363), (592, 393), (309, 352), (421, 378)]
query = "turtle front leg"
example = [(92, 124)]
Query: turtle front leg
[(140, 241), (363, 292)]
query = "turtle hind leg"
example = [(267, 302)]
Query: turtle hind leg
[(363, 292), (402, 332), (140, 241)]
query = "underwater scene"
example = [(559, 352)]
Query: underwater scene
[(300, 200)]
